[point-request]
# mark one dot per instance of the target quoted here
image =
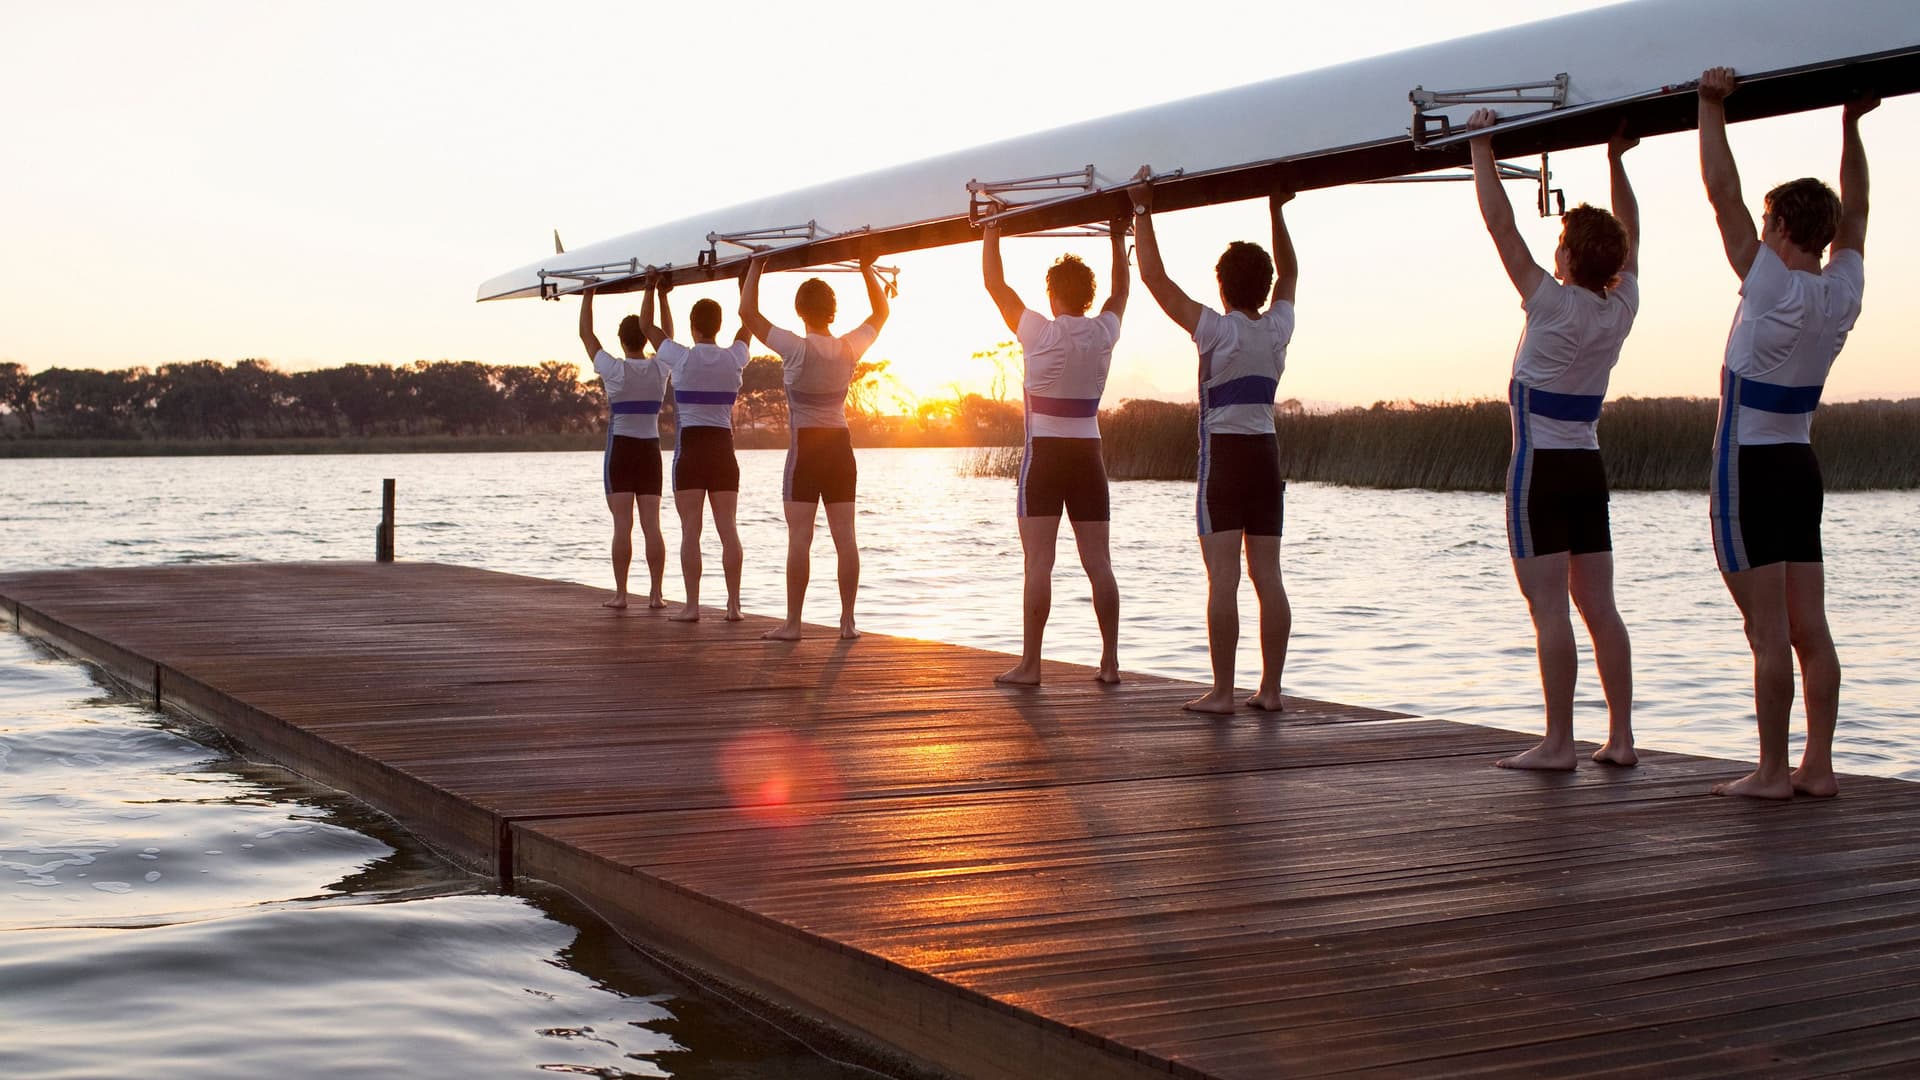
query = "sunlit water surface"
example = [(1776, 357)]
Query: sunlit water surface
[(166, 909)]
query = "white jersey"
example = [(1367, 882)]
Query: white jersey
[(1786, 334), (634, 391), (817, 369), (706, 381), (1067, 360), (1566, 355), (1241, 361)]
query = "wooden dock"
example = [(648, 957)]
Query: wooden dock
[(1073, 881)]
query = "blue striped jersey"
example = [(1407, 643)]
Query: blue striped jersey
[(1566, 354), (706, 381), (634, 390), (1241, 361), (817, 369), (1066, 360), (1786, 335)]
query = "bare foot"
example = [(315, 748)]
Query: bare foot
[(847, 632), (1265, 702), (619, 601), (1622, 756), (1542, 758), (786, 631), (1024, 674), (687, 613), (655, 603), (1820, 784), (1754, 786), (1218, 702), (1109, 672), (733, 613)]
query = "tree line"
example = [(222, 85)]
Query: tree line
[(207, 400)]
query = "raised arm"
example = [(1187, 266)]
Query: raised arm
[(587, 337), (666, 309), (1286, 265), (1121, 283), (1626, 208), (1853, 177), (1497, 211), (655, 335), (1179, 307), (1722, 177), (646, 310), (1004, 297), (744, 334), (876, 295), (750, 318)]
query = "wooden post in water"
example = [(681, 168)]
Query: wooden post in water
[(383, 535)]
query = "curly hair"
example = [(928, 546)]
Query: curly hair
[(1808, 212), (1070, 281), (1596, 246), (1245, 274), (814, 302)]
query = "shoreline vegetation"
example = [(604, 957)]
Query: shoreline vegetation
[(206, 408), (1648, 444)]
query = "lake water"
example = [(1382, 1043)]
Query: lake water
[(168, 909)]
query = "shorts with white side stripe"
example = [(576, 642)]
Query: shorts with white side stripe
[(703, 458), (1240, 486), (1063, 473), (632, 465), (1766, 508), (1557, 501)]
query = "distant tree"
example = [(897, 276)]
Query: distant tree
[(930, 413), (372, 397), (549, 397), (990, 422), (260, 398), (137, 388), (16, 394), (1006, 359), (194, 400), (669, 422), (461, 396), (311, 397), (84, 402), (871, 383), (763, 394)]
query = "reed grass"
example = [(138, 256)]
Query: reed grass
[(992, 461), (1650, 444)]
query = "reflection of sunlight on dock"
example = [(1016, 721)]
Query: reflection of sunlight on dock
[(934, 758), (948, 867)]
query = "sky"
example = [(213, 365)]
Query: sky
[(327, 184)]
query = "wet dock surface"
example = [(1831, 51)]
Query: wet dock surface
[(1073, 880)]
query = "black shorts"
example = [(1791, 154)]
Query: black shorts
[(1766, 506), (703, 458), (820, 466), (1557, 501), (1069, 473), (632, 465), (1240, 485)]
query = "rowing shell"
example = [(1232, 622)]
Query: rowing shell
[(1557, 83)]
